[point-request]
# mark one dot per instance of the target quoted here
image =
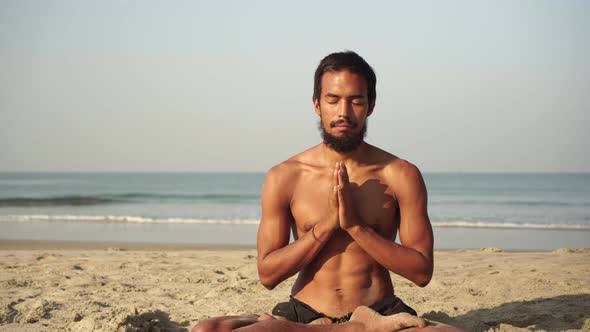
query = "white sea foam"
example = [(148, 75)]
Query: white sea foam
[(124, 219), (508, 225), (148, 220)]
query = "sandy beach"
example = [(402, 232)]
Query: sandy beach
[(62, 286)]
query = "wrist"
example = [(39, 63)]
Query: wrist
[(322, 232), (354, 229), (352, 223)]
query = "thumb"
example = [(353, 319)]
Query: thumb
[(339, 193), (334, 197)]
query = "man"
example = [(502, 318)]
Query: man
[(344, 200)]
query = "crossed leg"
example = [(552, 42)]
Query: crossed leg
[(363, 319)]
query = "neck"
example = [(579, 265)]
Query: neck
[(332, 156)]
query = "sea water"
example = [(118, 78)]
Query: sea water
[(524, 211)]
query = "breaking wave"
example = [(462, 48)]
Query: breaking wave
[(102, 199), (167, 220)]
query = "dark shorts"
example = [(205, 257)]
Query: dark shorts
[(297, 311)]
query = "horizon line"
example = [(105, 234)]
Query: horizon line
[(264, 172)]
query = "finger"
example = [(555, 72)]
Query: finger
[(342, 176), (333, 200), (344, 173), (341, 207), (336, 185)]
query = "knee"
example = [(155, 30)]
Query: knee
[(211, 325)]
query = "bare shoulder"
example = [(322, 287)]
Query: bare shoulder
[(403, 171), (292, 167), (408, 184), (281, 175), (392, 165), (285, 174), (402, 174)]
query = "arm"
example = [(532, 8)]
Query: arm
[(277, 259), (413, 259)]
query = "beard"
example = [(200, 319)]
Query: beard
[(346, 143)]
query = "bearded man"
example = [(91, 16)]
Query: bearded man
[(345, 201)]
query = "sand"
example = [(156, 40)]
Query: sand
[(65, 287)]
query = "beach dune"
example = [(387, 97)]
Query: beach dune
[(56, 286)]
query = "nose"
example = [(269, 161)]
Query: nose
[(344, 108)]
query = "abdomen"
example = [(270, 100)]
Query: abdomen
[(342, 277)]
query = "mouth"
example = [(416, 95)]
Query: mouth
[(343, 125)]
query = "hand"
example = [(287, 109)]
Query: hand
[(332, 218), (346, 213), (330, 222)]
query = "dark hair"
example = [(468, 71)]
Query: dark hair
[(347, 60)]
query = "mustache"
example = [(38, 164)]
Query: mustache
[(342, 121)]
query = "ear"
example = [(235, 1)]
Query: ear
[(316, 106)]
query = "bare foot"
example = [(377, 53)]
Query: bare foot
[(322, 321), (265, 317), (373, 321), (270, 317)]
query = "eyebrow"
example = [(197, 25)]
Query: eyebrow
[(349, 97)]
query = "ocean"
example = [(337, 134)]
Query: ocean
[(512, 211)]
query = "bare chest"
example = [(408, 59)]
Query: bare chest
[(373, 200)]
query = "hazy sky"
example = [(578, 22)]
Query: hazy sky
[(226, 85)]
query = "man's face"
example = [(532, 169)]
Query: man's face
[(343, 109)]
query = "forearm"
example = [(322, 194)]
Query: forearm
[(283, 263), (406, 262)]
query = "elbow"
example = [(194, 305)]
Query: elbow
[(267, 280), (268, 283), (423, 279), (424, 275)]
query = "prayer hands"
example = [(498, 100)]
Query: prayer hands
[(346, 213), (332, 218), (340, 212)]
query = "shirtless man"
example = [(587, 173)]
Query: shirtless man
[(344, 200)]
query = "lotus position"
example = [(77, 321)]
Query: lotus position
[(345, 202)]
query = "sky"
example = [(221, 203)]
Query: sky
[(192, 86)]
